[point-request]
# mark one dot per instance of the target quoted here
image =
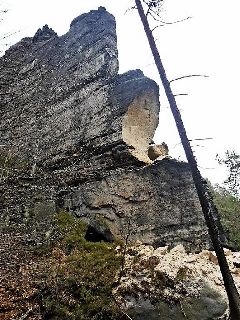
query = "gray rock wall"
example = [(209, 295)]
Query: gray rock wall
[(155, 204), (53, 87), (75, 136)]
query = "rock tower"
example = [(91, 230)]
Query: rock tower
[(75, 137)]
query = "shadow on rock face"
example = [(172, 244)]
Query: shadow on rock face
[(208, 305)]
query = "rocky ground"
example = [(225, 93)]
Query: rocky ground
[(172, 284), (149, 283)]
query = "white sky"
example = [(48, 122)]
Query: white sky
[(206, 44)]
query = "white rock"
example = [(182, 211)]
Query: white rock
[(160, 251), (227, 252), (212, 257), (191, 259), (204, 254), (179, 248)]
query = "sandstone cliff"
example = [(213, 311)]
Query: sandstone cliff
[(75, 137)]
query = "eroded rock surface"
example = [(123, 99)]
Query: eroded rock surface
[(75, 137), (62, 100)]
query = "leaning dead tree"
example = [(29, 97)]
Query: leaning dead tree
[(208, 208)]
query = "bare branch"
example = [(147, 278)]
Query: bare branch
[(200, 139), (177, 21), (198, 145), (2, 12), (153, 4), (207, 168), (153, 15), (153, 10), (7, 35), (148, 65), (147, 13), (26, 314), (164, 23), (180, 94), (189, 76), (155, 28), (120, 307), (129, 9), (149, 8)]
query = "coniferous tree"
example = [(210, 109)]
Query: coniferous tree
[(232, 162)]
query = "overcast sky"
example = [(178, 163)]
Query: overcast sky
[(205, 44)]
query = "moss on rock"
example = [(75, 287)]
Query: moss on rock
[(81, 275)]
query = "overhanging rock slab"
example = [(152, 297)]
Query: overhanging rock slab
[(75, 133)]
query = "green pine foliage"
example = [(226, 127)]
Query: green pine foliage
[(231, 161), (227, 198), (229, 209)]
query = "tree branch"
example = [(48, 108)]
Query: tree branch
[(26, 314), (200, 139), (189, 76), (7, 35), (164, 23), (120, 308), (129, 9), (177, 21), (180, 94)]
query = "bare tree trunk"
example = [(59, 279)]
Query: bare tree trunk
[(203, 194)]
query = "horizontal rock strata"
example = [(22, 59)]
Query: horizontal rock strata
[(75, 137)]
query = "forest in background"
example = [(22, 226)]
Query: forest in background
[(227, 198)]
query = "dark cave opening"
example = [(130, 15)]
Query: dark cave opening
[(94, 235)]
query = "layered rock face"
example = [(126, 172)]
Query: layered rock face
[(75, 137)]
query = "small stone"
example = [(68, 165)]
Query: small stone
[(236, 255), (204, 254), (212, 257), (227, 252), (160, 251), (153, 261), (179, 248), (138, 243), (236, 259), (235, 270), (191, 259), (218, 281), (146, 250), (118, 248)]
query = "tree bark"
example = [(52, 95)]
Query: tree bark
[(203, 194)]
